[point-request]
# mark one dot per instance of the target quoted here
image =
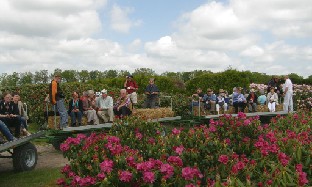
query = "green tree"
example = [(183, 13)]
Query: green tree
[(83, 75), (70, 75), (26, 78)]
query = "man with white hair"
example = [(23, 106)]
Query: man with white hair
[(288, 95), (104, 104)]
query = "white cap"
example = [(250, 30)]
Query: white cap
[(104, 91)]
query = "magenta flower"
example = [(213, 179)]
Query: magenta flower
[(125, 176), (64, 147), (179, 149), (223, 159), (66, 169), (167, 170), (101, 176), (247, 122), (138, 135), (176, 131), (149, 177), (60, 182), (107, 166), (189, 173), (175, 160)]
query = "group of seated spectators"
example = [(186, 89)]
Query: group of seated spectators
[(102, 106), (238, 99), (12, 115)]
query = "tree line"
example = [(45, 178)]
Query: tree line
[(170, 82)]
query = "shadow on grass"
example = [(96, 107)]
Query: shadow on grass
[(45, 177)]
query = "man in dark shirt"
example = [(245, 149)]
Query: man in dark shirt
[(9, 114), (151, 92)]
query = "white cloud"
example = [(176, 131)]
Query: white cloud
[(264, 36), (120, 21)]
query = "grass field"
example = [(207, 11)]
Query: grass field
[(37, 178)]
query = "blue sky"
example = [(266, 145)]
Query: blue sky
[(268, 36)]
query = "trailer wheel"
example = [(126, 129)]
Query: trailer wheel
[(25, 157)]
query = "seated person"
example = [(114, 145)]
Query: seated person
[(197, 98), (239, 101), (222, 101), (89, 106), (6, 132), (272, 100), (252, 100), (151, 92), (210, 100), (262, 98), (123, 105), (75, 109), (22, 113), (9, 114), (104, 105)]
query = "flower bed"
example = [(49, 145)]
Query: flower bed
[(233, 151)]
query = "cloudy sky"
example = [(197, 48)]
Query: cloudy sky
[(269, 36)]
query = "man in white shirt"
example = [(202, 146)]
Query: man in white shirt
[(104, 104), (288, 95)]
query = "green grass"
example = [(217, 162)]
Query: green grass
[(45, 177)]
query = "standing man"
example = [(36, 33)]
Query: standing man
[(104, 104), (131, 86), (151, 92), (288, 95), (57, 99)]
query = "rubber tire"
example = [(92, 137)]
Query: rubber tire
[(25, 157)]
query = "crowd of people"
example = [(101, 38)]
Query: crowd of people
[(239, 99), (99, 107), (103, 107)]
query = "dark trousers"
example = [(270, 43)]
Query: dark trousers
[(150, 101), (239, 105), (123, 111), (13, 122)]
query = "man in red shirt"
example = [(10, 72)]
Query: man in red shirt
[(131, 87)]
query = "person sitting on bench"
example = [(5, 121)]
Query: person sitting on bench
[(75, 109), (123, 106), (9, 114)]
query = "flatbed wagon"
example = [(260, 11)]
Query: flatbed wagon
[(22, 151)]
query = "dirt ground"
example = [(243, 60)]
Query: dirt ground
[(48, 157)]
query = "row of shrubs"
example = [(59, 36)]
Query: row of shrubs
[(232, 151)]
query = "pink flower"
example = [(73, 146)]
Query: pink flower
[(149, 177), (189, 173), (61, 182), (66, 169), (125, 176), (175, 131), (179, 149), (107, 166), (151, 140), (64, 147), (175, 160), (302, 178), (241, 115), (223, 159), (247, 122), (167, 170), (101, 176), (138, 135)]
